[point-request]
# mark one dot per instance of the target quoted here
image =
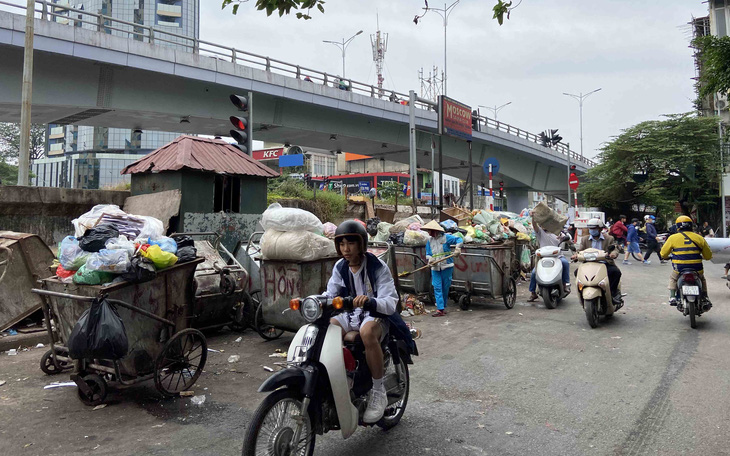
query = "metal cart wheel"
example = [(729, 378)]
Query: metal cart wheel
[(268, 332), (509, 293), (181, 362), (245, 314), (51, 368), (464, 302), (97, 385)]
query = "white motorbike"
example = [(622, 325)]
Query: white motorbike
[(325, 385), (549, 276)]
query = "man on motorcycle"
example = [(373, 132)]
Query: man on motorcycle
[(546, 239), (596, 239), (687, 249), (365, 277)]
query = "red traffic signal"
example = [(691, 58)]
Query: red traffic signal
[(572, 167), (240, 123), (240, 102)]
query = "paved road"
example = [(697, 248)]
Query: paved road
[(489, 381)]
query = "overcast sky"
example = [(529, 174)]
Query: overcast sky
[(636, 52)]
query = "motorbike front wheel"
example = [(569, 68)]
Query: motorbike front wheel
[(692, 310), (591, 308), (273, 425), (548, 299)]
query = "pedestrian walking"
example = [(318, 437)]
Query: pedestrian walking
[(706, 230), (619, 231), (651, 243), (632, 241), (438, 247)]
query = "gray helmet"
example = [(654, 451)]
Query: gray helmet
[(595, 223)]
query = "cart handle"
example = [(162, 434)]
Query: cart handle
[(111, 301)]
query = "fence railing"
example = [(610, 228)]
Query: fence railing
[(50, 11)]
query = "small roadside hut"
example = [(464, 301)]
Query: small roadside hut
[(222, 189)]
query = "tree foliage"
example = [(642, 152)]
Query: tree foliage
[(658, 163), (303, 7), (714, 57), (10, 141), (282, 6), (8, 174)]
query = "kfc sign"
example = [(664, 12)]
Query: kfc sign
[(268, 154)]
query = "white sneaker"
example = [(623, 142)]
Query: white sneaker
[(377, 401)]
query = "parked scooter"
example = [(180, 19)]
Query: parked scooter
[(549, 273), (689, 296), (594, 290), (325, 386)]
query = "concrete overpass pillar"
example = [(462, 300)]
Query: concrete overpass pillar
[(517, 199)]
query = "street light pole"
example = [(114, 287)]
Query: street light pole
[(26, 96), (495, 109), (343, 46), (580, 99), (444, 13)]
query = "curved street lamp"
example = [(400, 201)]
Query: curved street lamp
[(343, 46)]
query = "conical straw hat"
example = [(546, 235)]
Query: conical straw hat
[(433, 225)]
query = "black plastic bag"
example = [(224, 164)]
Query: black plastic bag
[(99, 333), (397, 238), (94, 239), (185, 254), (183, 241), (372, 226), (140, 270)]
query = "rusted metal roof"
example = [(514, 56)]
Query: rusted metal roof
[(203, 154)]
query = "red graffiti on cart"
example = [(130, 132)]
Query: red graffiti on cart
[(278, 282)]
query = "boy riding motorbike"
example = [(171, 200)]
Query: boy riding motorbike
[(364, 276), (687, 249)]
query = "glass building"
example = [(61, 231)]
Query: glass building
[(91, 157)]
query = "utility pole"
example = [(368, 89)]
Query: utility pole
[(722, 170), (26, 96), (444, 13), (379, 42), (343, 46), (580, 99)]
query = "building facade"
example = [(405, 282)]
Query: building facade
[(91, 157)]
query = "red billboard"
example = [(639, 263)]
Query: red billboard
[(454, 118), (268, 154)]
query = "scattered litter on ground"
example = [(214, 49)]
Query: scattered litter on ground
[(616, 337), (27, 445), (39, 346), (2, 382), (198, 400), (268, 369), (215, 351), (99, 407), (96, 447), (278, 355), (509, 432), (239, 339), (59, 385), (11, 332), (158, 425), (12, 352), (519, 313), (187, 393), (234, 358)]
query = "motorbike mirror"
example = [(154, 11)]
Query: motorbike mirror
[(611, 248)]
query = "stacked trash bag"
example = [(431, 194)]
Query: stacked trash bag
[(111, 246), (292, 234)]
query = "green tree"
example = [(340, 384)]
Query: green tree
[(714, 57), (10, 141), (658, 163), (8, 174), (500, 9)]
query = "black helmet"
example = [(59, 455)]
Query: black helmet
[(351, 229)]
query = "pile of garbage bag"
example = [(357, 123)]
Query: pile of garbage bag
[(294, 234), (110, 245)]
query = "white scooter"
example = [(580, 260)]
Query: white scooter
[(325, 385), (549, 276)]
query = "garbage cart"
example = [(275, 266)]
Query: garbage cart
[(484, 271), (157, 320)]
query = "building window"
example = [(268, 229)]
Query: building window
[(227, 197)]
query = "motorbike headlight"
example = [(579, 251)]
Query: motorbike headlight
[(590, 256), (311, 309)]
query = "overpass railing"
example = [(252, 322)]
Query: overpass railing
[(47, 10)]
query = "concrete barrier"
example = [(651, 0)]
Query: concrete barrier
[(48, 211)]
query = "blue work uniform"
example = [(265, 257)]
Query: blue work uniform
[(438, 247)]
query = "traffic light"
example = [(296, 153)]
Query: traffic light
[(572, 167), (501, 188), (242, 124), (550, 138)]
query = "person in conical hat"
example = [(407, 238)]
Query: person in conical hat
[(438, 247)]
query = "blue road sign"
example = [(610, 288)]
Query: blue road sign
[(495, 165)]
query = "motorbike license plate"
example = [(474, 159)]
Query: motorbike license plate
[(690, 290)]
